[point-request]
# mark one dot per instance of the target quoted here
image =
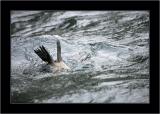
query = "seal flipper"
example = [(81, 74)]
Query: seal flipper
[(44, 55), (59, 58)]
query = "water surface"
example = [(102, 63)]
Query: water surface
[(108, 52)]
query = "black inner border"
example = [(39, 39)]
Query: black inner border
[(152, 6)]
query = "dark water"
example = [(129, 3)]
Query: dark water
[(108, 52)]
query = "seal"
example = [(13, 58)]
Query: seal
[(46, 57)]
